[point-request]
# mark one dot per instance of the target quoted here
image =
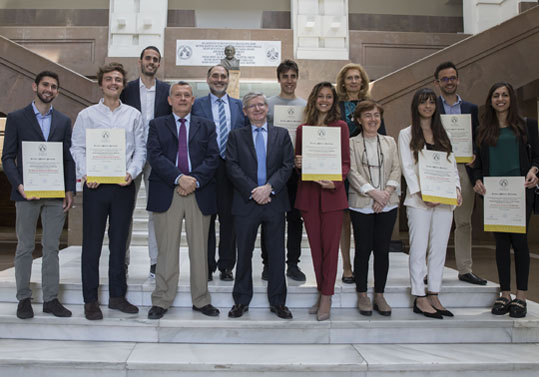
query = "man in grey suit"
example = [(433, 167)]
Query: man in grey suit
[(38, 121)]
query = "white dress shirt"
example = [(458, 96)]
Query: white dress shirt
[(147, 106), (101, 116)]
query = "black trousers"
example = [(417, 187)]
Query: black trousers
[(372, 233), (227, 234), (519, 242), (247, 229), (115, 203), (295, 226)]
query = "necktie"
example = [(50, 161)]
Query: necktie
[(260, 157), (183, 163), (223, 128)]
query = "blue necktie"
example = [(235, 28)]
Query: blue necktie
[(223, 128), (260, 157)]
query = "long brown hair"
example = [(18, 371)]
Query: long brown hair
[(311, 113), (341, 90), (441, 140), (489, 129)]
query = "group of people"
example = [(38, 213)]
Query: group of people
[(219, 157)]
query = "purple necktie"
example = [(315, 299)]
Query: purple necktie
[(183, 163)]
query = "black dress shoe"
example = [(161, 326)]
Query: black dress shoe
[(24, 309), (472, 279), (238, 310), (226, 275), (445, 312), (265, 273), (501, 306), (156, 312), (92, 311), (348, 279), (54, 307), (121, 304), (282, 311), (208, 310), (518, 309), (294, 273), (436, 314)]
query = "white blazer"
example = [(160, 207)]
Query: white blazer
[(410, 171)]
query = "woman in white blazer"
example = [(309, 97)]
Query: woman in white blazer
[(429, 223), (373, 199)]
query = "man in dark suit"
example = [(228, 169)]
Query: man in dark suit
[(182, 150), (38, 121), (260, 159), (446, 78), (227, 114), (149, 96)]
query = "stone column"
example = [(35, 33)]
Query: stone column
[(320, 29), (135, 24), (480, 15)]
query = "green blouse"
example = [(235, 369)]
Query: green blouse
[(504, 156)]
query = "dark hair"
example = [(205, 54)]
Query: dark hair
[(363, 106), (285, 66), (489, 129), (442, 66), (110, 68), (150, 48), (311, 113), (441, 140), (218, 65), (43, 74)]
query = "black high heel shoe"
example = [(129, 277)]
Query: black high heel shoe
[(436, 315), (443, 312)]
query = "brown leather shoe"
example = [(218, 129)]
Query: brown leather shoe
[(92, 311), (121, 304), (324, 310), (364, 305), (381, 305)]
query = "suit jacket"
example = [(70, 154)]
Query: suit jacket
[(330, 200), (202, 108), (22, 125), (466, 108), (241, 164), (131, 96), (162, 153), (359, 173)]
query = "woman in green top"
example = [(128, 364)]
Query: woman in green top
[(508, 146)]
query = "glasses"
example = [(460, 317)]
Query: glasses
[(257, 105), (445, 80)]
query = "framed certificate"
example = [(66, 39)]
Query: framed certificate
[(43, 169), (105, 155), (289, 117), (505, 204), (437, 177), (321, 154), (460, 133)]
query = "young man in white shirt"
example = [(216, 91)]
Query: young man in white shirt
[(112, 201)]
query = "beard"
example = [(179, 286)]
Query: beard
[(45, 100), (147, 73)]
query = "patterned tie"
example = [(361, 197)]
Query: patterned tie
[(223, 128), (183, 163), (260, 157)]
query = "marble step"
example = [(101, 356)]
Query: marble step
[(300, 295), (260, 326), (22, 358)]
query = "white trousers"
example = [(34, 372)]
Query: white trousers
[(429, 231)]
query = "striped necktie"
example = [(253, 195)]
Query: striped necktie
[(223, 128)]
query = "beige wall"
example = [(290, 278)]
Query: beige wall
[(260, 5), (408, 7), (54, 4)]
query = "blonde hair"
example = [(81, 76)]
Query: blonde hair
[(341, 90)]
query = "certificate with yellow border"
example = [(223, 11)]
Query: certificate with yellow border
[(505, 204), (105, 155), (437, 177), (459, 127), (321, 154), (43, 169), (289, 117)]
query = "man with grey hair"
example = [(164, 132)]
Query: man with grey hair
[(259, 161)]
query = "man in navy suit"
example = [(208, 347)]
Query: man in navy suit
[(227, 114), (149, 96), (446, 78), (259, 161), (38, 121), (183, 153)]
